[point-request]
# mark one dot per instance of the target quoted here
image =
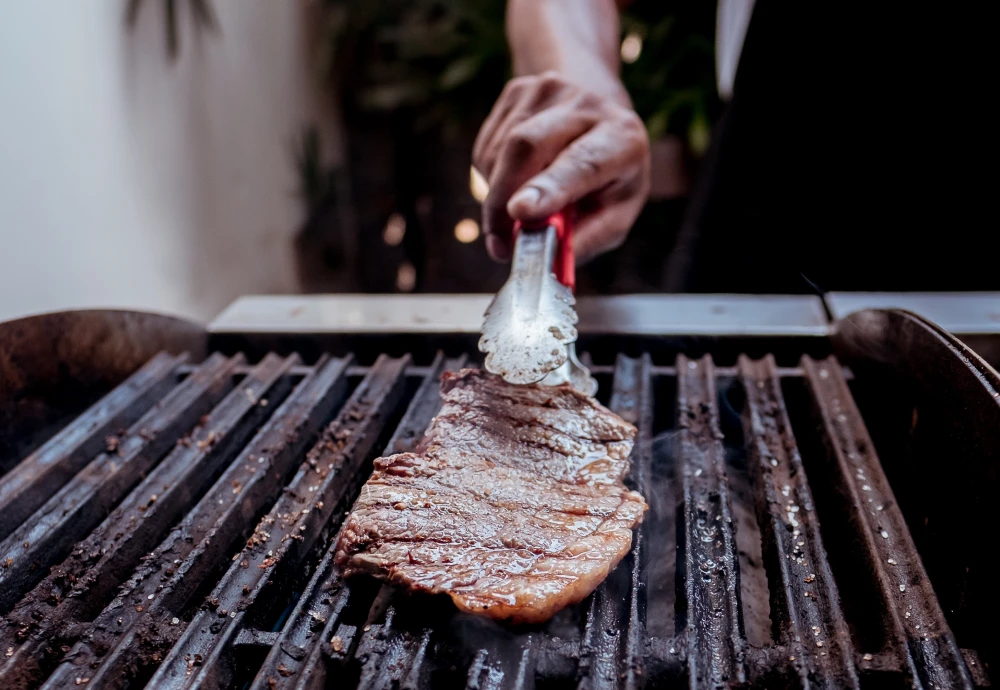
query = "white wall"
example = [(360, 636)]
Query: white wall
[(130, 181)]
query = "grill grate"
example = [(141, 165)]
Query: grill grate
[(173, 537)]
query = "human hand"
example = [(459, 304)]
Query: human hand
[(549, 144)]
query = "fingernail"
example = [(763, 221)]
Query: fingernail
[(525, 200)]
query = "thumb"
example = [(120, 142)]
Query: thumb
[(585, 166), (528, 203)]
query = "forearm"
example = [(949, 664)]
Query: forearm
[(576, 38)]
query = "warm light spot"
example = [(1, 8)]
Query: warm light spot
[(406, 277), (466, 230), (394, 230), (631, 48), (478, 185)]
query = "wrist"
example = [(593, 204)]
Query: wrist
[(597, 79), (590, 76), (576, 39)]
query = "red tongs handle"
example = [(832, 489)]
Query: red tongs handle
[(564, 264)]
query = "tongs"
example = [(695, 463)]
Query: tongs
[(529, 330)]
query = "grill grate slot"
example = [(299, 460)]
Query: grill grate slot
[(632, 398), (711, 604), (616, 615), (198, 587), (805, 604)]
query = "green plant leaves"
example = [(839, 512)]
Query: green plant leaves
[(444, 58)]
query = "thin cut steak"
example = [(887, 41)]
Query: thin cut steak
[(514, 505)]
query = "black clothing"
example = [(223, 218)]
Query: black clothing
[(857, 153)]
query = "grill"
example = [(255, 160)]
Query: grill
[(816, 520)]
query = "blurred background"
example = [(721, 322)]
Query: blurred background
[(172, 155)]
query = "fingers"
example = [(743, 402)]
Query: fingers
[(484, 149), (607, 153), (527, 149), (606, 228), (549, 144), (520, 100)]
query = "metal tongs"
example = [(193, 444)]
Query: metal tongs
[(529, 330)]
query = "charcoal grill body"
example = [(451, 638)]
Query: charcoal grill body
[(816, 520)]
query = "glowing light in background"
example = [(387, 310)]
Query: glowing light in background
[(631, 48), (395, 229), (406, 277), (478, 185), (466, 231)]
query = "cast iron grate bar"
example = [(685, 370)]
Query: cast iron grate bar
[(79, 587), (124, 606), (922, 638), (298, 659), (33, 481), (49, 534), (395, 655), (805, 606), (632, 398), (325, 482), (151, 610), (613, 624), (710, 601)]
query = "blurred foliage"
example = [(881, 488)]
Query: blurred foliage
[(316, 179), (202, 15), (448, 60), (444, 59), (672, 83)]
